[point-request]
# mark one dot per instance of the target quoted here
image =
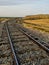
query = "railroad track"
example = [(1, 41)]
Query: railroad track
[(5, 50), (21, 49), (27, 32)]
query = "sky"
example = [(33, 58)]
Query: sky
[(19, 8)]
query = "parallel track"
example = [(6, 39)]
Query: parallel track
[(5, 50), (24, 48), (11, 44), (34, 38)]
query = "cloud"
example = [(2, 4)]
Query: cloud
[(23, 7), (7, 2), (16, 2)]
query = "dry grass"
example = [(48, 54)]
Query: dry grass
[(40, 24)]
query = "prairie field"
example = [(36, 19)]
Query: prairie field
[(40, 24)]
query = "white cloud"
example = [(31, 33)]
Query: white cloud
[(16, 2), (7, 2), (23, 7)]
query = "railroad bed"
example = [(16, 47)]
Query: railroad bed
[(5, 50), (1, 26), (26, 50)]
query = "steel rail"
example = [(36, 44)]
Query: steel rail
[(12, 48), (22, 29)]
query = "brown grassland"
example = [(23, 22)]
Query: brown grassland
[(38, 24)]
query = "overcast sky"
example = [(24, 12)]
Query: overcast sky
[(23, 7)]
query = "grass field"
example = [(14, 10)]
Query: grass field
[(40, 24)]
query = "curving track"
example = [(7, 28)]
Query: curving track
[(19, 48)]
